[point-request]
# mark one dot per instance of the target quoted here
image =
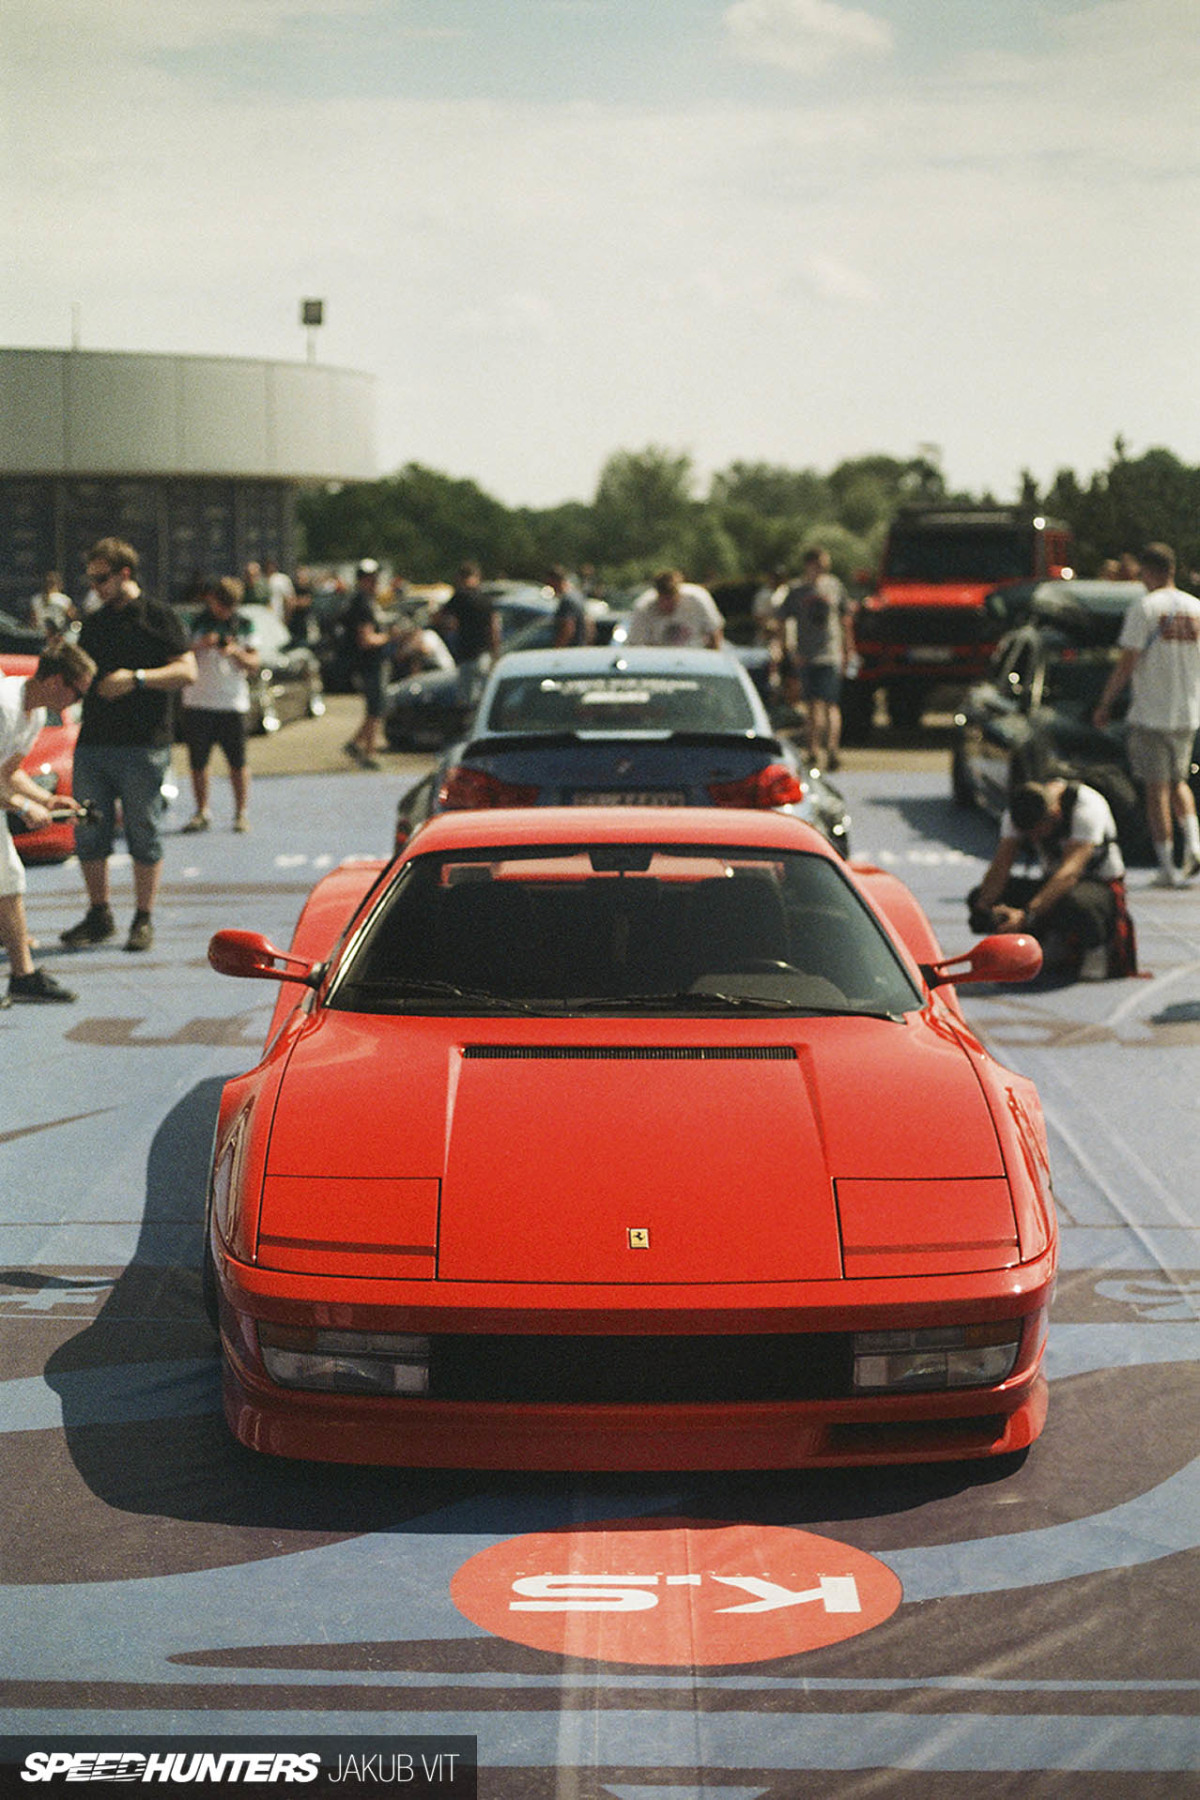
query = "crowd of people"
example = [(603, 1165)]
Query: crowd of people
[(126, 657)]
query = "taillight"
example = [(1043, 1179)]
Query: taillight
[(776, 785), (473, 790)]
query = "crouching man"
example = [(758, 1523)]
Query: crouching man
[(1075, 904)]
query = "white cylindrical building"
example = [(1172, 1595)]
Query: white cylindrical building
[(195, 460)]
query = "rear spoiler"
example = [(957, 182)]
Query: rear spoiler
[(554, 740)]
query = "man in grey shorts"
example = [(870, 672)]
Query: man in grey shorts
[(1160, 662)]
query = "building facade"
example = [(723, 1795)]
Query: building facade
[(197, 461)]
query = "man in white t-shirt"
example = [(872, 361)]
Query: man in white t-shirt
[(677, 613), (281, 592), (1075, 905), (63, 675), (1160, 662), (215, 706)]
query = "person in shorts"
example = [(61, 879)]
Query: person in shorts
[(123, 754), (371, 638), (821, 615), (215, 706), (1160, 663)]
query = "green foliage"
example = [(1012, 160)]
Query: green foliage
[(757, 517), (1135, 501), (643, 505)]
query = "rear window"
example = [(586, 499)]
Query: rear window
[(660, 927), (619, 701)]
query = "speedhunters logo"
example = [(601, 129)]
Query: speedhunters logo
[(174, 1765), (426, 1767)]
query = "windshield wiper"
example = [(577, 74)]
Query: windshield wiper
[(689, 998), (444, 990)]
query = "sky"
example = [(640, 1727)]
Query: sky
[(787, 231)]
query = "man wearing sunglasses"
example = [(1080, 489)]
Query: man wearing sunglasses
[(124, 749), (63, 675)]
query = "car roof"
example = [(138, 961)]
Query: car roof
[(1082, 612), (532, 825), (635, 659)]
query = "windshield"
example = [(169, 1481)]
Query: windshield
[(659, 927), (619, 701), (980, 553)]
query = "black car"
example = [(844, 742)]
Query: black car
[(1032, 718), (623, 726)]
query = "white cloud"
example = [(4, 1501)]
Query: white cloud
[(805, 36), (838, 281)]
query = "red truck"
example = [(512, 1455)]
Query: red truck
[(929, 622)]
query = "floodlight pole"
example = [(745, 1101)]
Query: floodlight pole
[(312, 315)]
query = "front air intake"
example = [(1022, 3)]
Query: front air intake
[(628, 1053)]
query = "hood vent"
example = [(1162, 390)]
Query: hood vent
[(628, 1053)]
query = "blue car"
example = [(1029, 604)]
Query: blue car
[(616, 726)]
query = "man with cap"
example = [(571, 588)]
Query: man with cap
[(370, 638)]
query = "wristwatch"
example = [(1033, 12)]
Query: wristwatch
[(139, 678)]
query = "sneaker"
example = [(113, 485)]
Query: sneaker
[(198, 822), (38, 986), (1168, 878), (1094, 964), (354, 751), (141, 932), (96, 925), (1191, 866), (241, 823), (369, 762)]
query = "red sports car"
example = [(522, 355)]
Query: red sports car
[(49, 763), (594, 1138)]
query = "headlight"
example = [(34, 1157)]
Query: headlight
[(346, 1362), (949, 1356)]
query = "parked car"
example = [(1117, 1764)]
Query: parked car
[(693, 1162), (621, 726), (1032, 718), (49, 763)]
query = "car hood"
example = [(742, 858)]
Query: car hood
[(649, 1152)]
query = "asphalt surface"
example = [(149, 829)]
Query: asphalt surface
[(158, 1582)]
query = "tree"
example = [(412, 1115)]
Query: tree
[(1134, 501), (643, 505)]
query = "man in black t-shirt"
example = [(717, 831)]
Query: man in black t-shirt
[(473, 630), (142, 659), (371, 637)]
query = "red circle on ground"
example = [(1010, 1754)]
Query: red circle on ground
[(678, 1592)]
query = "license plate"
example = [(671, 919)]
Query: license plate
[(629, 797), (930, 653)]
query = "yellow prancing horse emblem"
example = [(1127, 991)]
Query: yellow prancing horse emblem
[(639, 1237)]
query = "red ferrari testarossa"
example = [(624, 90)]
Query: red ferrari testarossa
[(627, 1139)]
